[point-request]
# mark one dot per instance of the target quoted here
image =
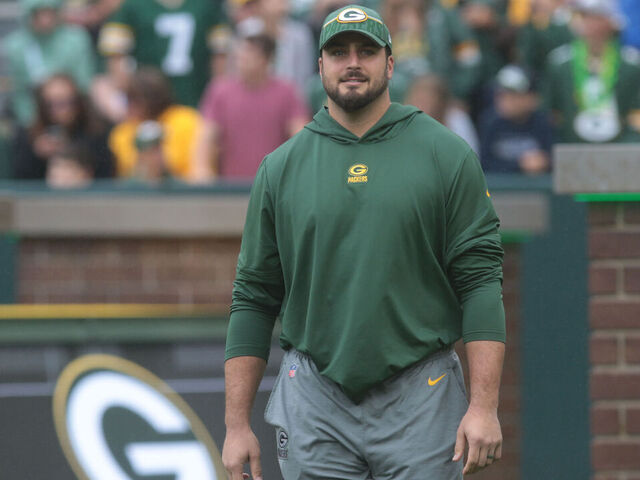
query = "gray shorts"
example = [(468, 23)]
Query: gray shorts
[(404, 429)]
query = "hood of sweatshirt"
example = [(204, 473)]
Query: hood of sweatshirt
[(395, 119)]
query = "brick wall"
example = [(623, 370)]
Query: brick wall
[(187, 271), (201, 271), (614, 283), (509, 412)]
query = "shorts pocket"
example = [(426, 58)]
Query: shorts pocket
[(268, 411), (457, 373)]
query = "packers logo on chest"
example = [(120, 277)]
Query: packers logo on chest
[(358, 173)]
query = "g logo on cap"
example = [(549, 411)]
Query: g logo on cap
[(352, 15)]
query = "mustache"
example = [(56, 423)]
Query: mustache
[(354, 75)]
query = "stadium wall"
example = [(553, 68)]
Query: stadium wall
[(614, 283), (606, 179), (67, 252)]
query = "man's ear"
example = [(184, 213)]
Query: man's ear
[(390, 64), (320, 65)]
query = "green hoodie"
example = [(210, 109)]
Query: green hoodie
[(375, 251)]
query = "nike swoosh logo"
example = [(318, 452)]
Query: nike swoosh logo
[(433, 382)]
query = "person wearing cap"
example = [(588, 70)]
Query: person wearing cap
[(371, 234), (593, 84), (516, 134), (158, 137), (42, 47)]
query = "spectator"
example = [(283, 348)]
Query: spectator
[(149, 99), (431, 95), (548, 28), (176, 37), (487, 19), (407, 20), (516, 134), (295, 58), (43, 46), (430, 39), (63, 117), (247, 116), (593, 84)]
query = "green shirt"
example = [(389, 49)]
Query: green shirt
[(454, 51), (536, 41), (562, 99), (375, 251), (176, 40)]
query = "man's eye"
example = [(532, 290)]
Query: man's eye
[(367, 52), (338, 53)]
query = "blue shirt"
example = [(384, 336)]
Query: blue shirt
[(503, 141), (631, 33)]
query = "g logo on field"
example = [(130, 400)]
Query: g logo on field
[(117, 421), (352, 15)]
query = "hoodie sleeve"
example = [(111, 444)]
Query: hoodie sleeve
[(259, 286), (474, 253)]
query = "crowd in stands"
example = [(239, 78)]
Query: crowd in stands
[(198, 90)]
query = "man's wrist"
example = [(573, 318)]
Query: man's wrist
[(483, 406), (237, 426)]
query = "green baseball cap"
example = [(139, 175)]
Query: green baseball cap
[(355, 18)]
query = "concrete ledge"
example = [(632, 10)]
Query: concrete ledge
[(522, 212), (120, 215), (596, 168), (117, 215)]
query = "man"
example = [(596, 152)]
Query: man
[(176, 36), (157, 139), (42, 47), (372, 235), (548, 28), (431, 39), (516, 135), (248, 115), (593, 84), (294, 58)]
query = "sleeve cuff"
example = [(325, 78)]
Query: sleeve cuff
[(483, 314), (249, 334)]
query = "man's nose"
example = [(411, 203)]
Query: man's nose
[(354, 59)]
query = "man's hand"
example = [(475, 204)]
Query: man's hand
[(241, 446), (241, 377), (534, 162), (480, 430)]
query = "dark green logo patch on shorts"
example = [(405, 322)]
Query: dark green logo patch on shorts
[(283, 444)]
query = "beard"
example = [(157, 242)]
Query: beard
[(353, 100)]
